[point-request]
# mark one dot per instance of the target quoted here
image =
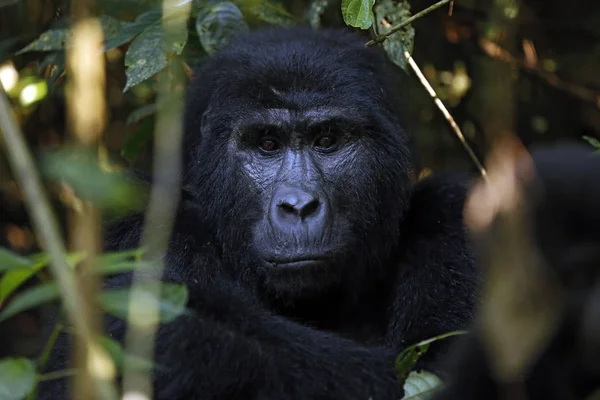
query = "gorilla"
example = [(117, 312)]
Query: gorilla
[(311, 256)]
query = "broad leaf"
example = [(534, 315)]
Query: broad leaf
[(130, 30), (273, 12), (147, 54), (17, 378), (217, 23), (421, 385), (53, 39), (389, 14), (112, 191), (358, 13), (171, 304), (15, 278), (125, 261), (30, 298), (10, 260)]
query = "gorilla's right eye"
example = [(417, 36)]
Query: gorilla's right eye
[(268, 144)]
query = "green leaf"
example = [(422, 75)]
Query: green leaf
[(410, 355), (10, 260), (316, 10), (171, 304), (53, 39), (421, 385), (17, 378), (273, 12), (403, 40), (145, 57), (117, 354), (358, 13), (129, 30), (217, 24), (30, 298), (13, 279), (81, 171), (124, 261), (593, 141)]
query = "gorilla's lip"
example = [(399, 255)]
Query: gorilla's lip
[(296, 262)]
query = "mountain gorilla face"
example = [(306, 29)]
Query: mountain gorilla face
[(313, 176)]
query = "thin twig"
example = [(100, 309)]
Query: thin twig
[(383, 37), (446, 113)]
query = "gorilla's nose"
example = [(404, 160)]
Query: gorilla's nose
[(292, 206)]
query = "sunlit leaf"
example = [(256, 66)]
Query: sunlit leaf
[(387, 15), (10, 260), (358, 13), (421, 385), (171, 304), (17, 378), (30, 298), (217, 24)]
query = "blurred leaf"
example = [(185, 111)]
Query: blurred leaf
[(358, 13), (136, 141), (217, 23), (317, 8), (273, 12), (122, 261), (593, 141), (54, 39), (410, 355), (30, 298), (10, 260), (117, 354), (421, 385), (171, 304), (17, 378), (401, 41), (113, 191)]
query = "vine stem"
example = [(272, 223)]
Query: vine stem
[(383, 37), (440, 105)]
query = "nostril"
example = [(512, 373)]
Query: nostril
[(309, 209), (287, 208)]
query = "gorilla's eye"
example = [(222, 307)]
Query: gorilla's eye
[(325, 142), (268, 144)]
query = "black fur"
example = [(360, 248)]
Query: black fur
[(397, 268)]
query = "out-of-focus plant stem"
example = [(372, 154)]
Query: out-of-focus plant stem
[(162, 207)]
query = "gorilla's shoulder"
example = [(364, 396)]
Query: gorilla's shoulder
[(437, 203)]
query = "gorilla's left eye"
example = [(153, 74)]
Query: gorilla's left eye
[(325, 142)]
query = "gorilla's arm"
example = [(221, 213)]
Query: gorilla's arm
[(437, 280), (230, 347)]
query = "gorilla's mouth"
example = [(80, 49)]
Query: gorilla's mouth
[(297, 262)]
